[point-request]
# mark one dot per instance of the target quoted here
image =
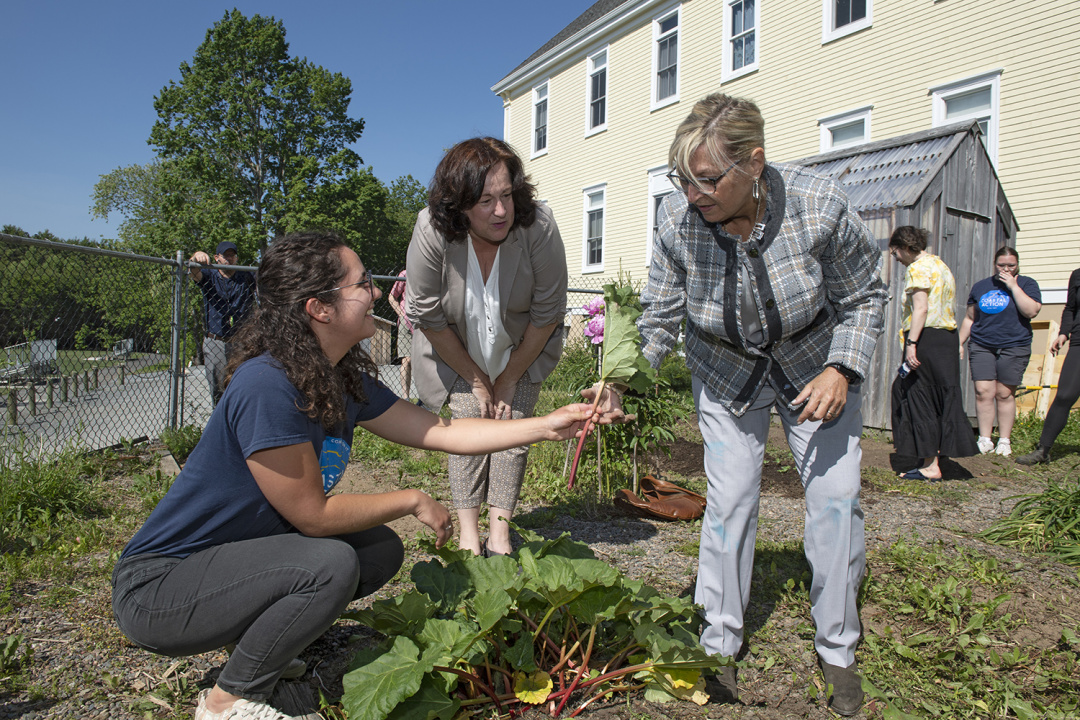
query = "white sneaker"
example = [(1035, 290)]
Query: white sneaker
[(985, 445), (1004, 447), (240, 710)]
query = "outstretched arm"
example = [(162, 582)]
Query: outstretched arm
[(290, 478), (407, 424)]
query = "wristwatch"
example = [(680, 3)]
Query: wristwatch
[(850, 375)]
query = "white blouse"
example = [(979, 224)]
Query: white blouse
[(489, 343)]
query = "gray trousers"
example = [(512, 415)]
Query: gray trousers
[(215, 358), (270, 596), (827, 456)]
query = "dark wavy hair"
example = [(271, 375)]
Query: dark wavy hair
[(296, 267), (459, 183), (909, 237)]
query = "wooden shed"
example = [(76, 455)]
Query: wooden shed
[(940, 179)]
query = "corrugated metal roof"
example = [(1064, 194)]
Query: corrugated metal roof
[(890, 177)]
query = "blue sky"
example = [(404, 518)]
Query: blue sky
[(78, 81)]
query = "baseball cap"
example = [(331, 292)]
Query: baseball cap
[(223, 246)]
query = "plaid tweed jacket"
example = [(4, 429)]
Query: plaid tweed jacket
[(814, 274)]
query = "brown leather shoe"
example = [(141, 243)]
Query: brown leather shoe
[(671, 507), (652, 486)]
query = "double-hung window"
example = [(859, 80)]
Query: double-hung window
[(740, 38), (594, 229), (540, 119), (598, 65), (843, 17), (975, 98), (665, 88)]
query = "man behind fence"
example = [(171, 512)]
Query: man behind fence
[(227, 296)]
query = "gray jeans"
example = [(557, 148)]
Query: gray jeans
[(271, 596), (215, 358)]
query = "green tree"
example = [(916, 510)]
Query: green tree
[(165, 210), (407, 198), (251, 128)]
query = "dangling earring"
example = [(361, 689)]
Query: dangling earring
[(757, 192)]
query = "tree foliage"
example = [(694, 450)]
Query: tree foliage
[(255, 129)]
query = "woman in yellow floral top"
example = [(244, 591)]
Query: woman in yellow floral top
[(928, 418)]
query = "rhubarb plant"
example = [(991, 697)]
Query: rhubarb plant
[(621, 361), (549, 626)]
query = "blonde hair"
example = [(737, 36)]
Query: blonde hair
[(729, 129)]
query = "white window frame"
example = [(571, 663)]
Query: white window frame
[(545, 88), (587, 195), (830, 32), (828, 125), (654, 88), (729, 72), (659, 187), (942, 93), (592, 67)]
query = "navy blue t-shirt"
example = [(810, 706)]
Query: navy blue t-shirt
[(998, 324), (215, 499)]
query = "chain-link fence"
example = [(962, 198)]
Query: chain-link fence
[(102, 347)]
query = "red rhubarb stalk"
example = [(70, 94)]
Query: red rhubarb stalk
[(584, 434)]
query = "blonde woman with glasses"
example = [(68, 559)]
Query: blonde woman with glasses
[(778, 281)]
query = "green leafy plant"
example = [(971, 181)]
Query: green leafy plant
[(181, 441), (621, 360), (550, 624), (1046, 522)]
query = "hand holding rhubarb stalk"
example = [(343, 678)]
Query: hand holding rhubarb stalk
[(621, 360)]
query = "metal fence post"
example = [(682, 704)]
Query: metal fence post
[(13, 405), (174, 345), (49, 385)]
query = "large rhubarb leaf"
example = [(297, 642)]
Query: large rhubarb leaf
[(375, 689), (622, 362)]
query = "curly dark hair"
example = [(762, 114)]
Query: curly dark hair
[(459, 183), (909, 237), (296, 267)]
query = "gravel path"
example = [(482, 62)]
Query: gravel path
[(81, 667)]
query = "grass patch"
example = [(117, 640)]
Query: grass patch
[(943, 642), (1046, 522), (1028, 427)]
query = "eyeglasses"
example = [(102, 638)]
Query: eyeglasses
[(365, 281), (704, 184), (1007, 266)]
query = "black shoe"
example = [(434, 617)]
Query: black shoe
[(1038, 456), (721, 687), (846, 694)]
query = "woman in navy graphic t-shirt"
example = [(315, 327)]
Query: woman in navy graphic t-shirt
[(998, 321)]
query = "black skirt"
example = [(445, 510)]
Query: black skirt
[(928, 417)]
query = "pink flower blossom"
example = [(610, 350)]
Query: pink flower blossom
[(594, 307), (594, 330)]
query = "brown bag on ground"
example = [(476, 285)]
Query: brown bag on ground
[(661, 499), (658, 488)]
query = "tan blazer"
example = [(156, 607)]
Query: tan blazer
[(532, 289)]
